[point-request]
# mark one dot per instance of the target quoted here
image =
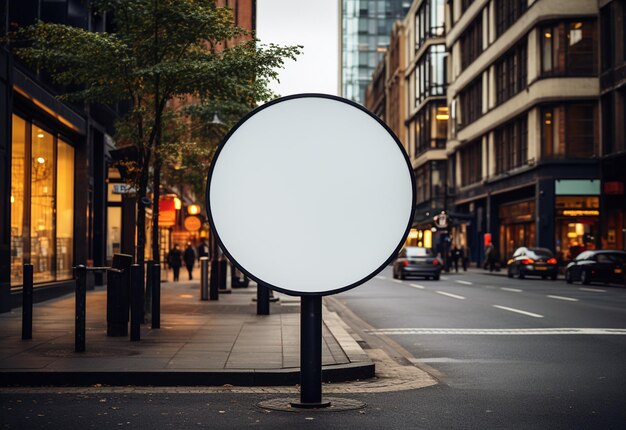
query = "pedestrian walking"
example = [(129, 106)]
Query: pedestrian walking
[(190, 259), (456, 254), (174, 260), (490, 257)]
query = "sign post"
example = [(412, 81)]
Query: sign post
[(325, 200)]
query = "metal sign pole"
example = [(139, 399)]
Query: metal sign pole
[(310, 353)]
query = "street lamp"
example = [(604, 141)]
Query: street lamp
[(193, 209)]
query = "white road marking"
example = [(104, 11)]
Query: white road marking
[(397, 281), (530, 314), (514, 290), (465, 282), (453, 360), (594, 290), (454, 296), (500, 331), (421, 287), (569, 299), (380, 277), (445, 278)]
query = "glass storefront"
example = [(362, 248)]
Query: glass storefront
[(517, 227), (577, 225), (42, 203)]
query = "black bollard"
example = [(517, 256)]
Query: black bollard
[(223, 265), (136, 301), (214, 293), (311, 353), (27, 302), (262, 299), (81, 304), (156, 296), (147, 311)]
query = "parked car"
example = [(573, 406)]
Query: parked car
[(533, 262), (416, 261), (606, 265)]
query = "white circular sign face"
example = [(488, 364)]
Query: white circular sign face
[(310, 194)]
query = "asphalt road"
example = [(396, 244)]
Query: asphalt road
[(508, 354), (513, 353)]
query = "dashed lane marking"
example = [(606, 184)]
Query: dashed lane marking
[(569, 299), (465, 282), (381, 277), (514, 290), (397, 281), (518, 311), (445, 278), (454, 296), (418, 286), (501, 331), (594, 290)]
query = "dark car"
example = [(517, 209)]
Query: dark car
[(416, 261), (602, 266), (532, 262)]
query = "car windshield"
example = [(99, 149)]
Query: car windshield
[(539, 253), (418, 252)]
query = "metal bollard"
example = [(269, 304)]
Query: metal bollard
[(147, 307), (27, 302), (136, 301), (214, 293), (262, 300), (204, 278), (81, 304), (156, 296), (223, 265)]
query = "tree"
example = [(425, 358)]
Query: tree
[(160, 50)]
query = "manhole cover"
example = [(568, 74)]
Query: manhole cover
[(336, 404)]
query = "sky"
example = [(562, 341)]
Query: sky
[(312, 24)]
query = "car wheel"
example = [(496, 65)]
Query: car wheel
[(402, 276), (520, 275), (543, 277), (553, 277), (509, 273), (568, 277), (436, 277), (585, 278), (395, 275)]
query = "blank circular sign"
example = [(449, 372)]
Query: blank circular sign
[(310, 194)]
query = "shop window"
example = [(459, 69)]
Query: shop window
[(42, 203)]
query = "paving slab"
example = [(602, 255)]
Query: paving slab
[(199, 343)]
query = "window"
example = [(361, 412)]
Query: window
[(429, 21), (472, 41), (471, 162), (569, 49), (422, 182), (569, 131), (471, 102), (511, 145), (607, 34), (507, 12), (431, 127), (511, 73), (430, 74), (42, 203)]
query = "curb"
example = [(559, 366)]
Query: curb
[(244, 377)]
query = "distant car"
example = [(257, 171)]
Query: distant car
[(606, 265), (532, 262), (416, 261)]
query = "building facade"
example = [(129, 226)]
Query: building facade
[(365, 29), (524, 140), (612, 29), (52, 163)]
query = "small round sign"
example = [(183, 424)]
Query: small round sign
[(192, 223), (310, 194)]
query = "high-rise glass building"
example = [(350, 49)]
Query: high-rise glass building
[(365, 31)]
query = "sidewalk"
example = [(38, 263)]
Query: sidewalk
[(199, 343)]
